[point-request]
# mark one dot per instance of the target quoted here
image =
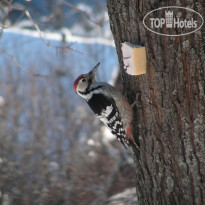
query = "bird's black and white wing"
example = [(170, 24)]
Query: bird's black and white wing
[(106, 110)]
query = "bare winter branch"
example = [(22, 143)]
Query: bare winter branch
[(19, 66), (43, 38), (9, 4)]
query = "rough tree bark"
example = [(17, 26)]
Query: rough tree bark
[(169, 124)]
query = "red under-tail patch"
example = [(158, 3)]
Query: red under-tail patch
[(76, 82), (129, 132)]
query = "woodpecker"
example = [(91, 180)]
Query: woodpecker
[(109, 105)]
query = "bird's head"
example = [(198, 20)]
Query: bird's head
[(84, 81)]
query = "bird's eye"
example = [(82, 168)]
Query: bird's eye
[(83, 80)]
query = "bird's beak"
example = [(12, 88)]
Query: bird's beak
[(94, 70)]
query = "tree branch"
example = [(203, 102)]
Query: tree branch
[(19, 66), (44, 40)]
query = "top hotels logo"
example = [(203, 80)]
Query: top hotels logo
[(173, 21)]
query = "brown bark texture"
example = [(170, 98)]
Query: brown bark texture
[(169, 120)]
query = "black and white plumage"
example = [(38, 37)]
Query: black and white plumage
[(109, 105)]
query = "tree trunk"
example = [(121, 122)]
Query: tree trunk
[(169, 123)]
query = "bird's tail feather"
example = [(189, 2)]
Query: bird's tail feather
[(135, 148)]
